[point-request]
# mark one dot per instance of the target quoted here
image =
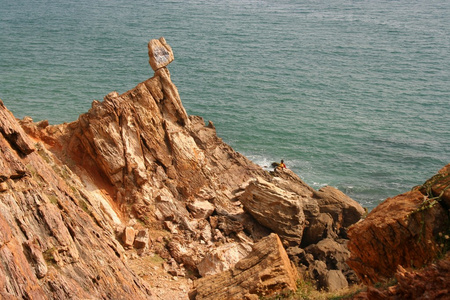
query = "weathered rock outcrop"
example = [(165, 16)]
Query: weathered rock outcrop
[(405, 230), (52, 248), (427, 283), (313, 220), (291, 208), (265, 271), (137, 176)]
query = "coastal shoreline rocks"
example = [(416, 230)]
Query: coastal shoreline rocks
[(136, 190)]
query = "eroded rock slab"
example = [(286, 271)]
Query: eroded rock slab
[(265, 271), (275, 208)]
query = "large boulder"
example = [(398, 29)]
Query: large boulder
[(335, 280), (403, 230), (298, 214), (265, 271), (275, 208), (128, 236), (200, 209), (344, 210)]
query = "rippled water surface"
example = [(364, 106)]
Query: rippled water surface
[(353, 94)]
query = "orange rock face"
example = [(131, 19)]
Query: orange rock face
[(72, 197), (401, 231), (427, 283), (50, 248), (65, 190)]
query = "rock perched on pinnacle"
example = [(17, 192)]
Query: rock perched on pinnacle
[(160, 53), (138, 156)]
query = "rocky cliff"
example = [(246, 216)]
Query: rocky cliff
[(406, 237), (54, 244), (408, 230), (136, 192)]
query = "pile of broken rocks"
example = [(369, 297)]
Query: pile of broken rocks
[(279, 229)]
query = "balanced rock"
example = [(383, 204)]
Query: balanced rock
[(160, 53), (265, 271)]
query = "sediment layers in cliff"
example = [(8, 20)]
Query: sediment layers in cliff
[(53, 244), (136, 176)]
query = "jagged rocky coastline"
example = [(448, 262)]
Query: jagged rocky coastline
[(87, 208)]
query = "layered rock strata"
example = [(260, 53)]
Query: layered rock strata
[(52, 248), (265, 271), (137, 173)]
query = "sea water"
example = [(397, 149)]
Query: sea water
[(350, 93)]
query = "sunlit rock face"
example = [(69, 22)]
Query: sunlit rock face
[(135, 176), (407, 230)]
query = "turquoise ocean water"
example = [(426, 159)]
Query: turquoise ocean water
[(353, 94)]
